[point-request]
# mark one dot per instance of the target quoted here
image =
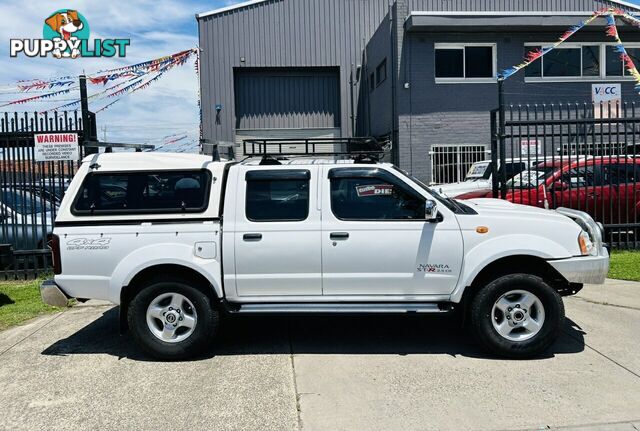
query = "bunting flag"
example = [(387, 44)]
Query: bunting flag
[(197, 68), (140, 69), (537, 53), (106, 106), (45, 85), (40, 96), (134, 79), (612, 31)]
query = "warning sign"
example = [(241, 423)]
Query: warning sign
[(56, 146)]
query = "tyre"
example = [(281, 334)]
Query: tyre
[(172, 320), (516, 316)]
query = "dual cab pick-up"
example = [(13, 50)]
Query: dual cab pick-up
[(176, 240)]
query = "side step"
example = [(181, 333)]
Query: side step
[(344, 308)]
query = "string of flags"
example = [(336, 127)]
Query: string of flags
[(610, 15), (40, 96), (133, 77)]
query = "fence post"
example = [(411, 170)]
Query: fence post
[(501, 139), (87, 123), (494, 153)]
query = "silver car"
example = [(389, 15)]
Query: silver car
[(26, 219)]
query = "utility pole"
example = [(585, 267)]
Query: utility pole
[(104, 133)]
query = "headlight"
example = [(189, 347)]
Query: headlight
[(586, 245)]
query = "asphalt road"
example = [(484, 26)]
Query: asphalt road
[(73, 371)]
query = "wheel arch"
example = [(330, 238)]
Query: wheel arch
[(526, 264), (162, 272)]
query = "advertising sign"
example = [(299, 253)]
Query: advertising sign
[(606, 99)]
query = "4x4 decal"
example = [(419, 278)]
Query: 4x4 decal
[(88, 244)]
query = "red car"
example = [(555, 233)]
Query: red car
[(606, 187)]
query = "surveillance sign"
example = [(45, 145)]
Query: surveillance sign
[(56, 146)]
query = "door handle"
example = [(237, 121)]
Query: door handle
[(339, 235), (252, 236)]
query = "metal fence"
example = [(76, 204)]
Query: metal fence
[(577, 155), (450, 163), (30, 191)]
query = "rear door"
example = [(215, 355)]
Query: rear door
[(277, 232)]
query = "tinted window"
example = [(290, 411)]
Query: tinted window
[(591, 60), (534, 70), (449, 63), (513, 168), (622, 173), (580, 177), (144, 192), (270, 198), (562, 62), (478, 61), (614, 63), (373, 199)]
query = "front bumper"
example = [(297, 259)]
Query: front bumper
[(583, 269), (52, 294)]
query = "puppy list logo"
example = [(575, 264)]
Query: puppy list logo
[(66, 35)]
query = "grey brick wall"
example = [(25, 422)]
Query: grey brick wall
[(430, 113)]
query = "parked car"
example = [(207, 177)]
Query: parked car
[(191, 239), (608, 188), (26, 219), (479, 175)]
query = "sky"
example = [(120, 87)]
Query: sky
[(156, 27)]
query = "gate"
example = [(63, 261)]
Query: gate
[(30, 191), (579, 156)]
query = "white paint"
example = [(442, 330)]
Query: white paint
[(297, 261)]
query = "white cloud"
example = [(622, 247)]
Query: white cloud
[(155, 27)]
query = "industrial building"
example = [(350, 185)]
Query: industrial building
[(422, 72)]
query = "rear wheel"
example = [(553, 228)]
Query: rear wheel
[(172, 320), (517, 316)]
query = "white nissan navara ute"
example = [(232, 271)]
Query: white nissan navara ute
[(177, 240)]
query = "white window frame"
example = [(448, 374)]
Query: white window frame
[(603, 58), (464, 80)]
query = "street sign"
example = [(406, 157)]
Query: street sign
[(56, 146)]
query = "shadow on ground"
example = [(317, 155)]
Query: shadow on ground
[(5, 300), (371, 334)]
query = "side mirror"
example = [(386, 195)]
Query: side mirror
[(430, 210), (559, 186)]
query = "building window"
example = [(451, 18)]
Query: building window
[(277, 195), (615, 66), (579, 61), (465, 62), (157, 192), (381, 72)]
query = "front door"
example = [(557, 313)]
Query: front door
[(277, 233), (375, 240)]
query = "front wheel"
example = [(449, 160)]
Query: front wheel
[(172, 320), (517, 316)]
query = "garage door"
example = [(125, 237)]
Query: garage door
[(287, 103)]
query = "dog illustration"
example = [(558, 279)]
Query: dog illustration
[(65, 23)]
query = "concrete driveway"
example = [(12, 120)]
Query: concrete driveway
[(73, 371)]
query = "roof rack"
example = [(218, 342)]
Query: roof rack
[(361, 149)]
